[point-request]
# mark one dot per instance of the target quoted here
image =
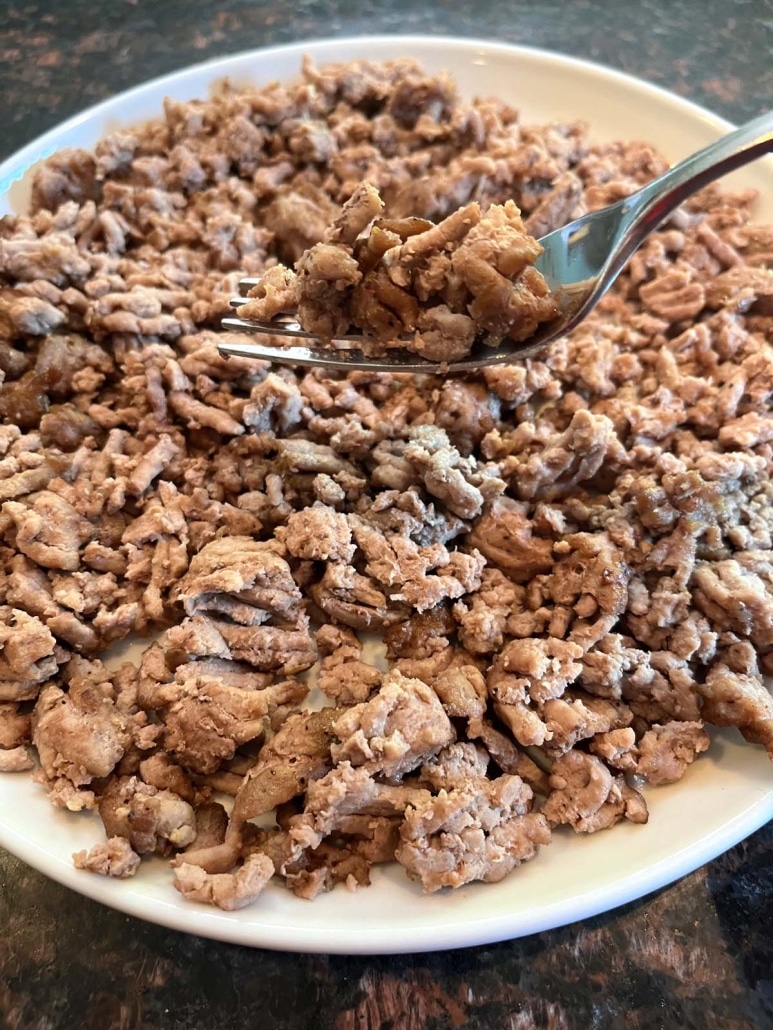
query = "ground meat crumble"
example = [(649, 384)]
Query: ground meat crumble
[(569, 561)]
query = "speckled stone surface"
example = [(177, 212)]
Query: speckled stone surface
[(698, 954)]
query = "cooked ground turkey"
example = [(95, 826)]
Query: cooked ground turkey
[(573, 554)]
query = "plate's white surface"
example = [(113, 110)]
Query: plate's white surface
[(726, 796)]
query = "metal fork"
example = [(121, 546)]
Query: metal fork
[(579, 261)]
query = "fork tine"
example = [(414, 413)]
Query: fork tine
[(339, 353), (279, 326), (238, 302), (309, 357), (246, 284), (267, 327)]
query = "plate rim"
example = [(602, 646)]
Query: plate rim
[(452, 933)]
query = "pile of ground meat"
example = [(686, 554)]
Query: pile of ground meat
[(569, 561), (430, 289)]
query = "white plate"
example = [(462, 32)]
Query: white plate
[(726, 796)]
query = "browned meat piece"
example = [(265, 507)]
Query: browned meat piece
[(457, 765), (585, 795), (343, 676), (358, 212), (734, 694), (523, 722), (161, 772), (299, 455), (565, 460), (357, 838), (730, 594), (218, 851), (344, 792), (325, 867), (296, 755), (152, 464), (462, 691), (267, 648), (318, 533), (483, 616), (63, 361), (114, 153), (467, 411), (570, 719), (229, 891), (420, 636), (80, 735), (742, 288), (533, 668), (663, 689), (257, 690), (50, 532), (65, 427), (299, 219), (23, 481), (54, 258), (196, 414), (617, 748), (211, 827), (557, 207), (325, 273), (31, 316), (16, 759), (70, 174), (113, 858), (275, 405), (507, 756), (242, 579), (276, 293), (446, 474), (505, 536), (206, 719), (198, 637), (591, 577), (62, 794), (27, 655), (346, 596), (14, 726), (431, 668), (402, 726), (149, 819), (509, 297), (421, 577), (480, 831), (666, 751), (607, 665)]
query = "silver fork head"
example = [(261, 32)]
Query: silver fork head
[(341, 355), (345, 354)]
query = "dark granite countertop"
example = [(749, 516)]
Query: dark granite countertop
[(695, 955)]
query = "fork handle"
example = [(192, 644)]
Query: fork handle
[(664, 194)]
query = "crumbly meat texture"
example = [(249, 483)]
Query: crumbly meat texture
[(574, 553), (480, 830), (113, 858), (432, 289), (148, 818), (228, 891), (82, 733), (395, 731), (586, 796)]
